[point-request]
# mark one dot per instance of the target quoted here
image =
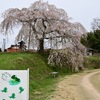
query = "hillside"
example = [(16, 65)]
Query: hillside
[(40, 80), (42, 85)]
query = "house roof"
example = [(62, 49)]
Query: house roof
[(90, 49)]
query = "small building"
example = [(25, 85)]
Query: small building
[(90, 51), (13, 48)]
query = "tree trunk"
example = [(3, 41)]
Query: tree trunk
[(41, 45)]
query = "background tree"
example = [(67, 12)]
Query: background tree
[(92, 40), (95, 25), (89, 40)]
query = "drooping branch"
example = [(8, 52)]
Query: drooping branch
[(39, 21)]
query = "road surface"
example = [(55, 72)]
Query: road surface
[(77, 87)]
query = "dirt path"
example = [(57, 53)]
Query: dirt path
[(89, 90), (76, 87)]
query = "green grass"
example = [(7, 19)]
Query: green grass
[(41, 84), (92, 62)]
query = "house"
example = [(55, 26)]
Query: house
[(90, 51), (13, 48)]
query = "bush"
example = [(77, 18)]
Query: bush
[(68, 58)]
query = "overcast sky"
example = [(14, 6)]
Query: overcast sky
[(82, 11)]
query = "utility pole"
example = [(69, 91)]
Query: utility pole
[(4, 44)]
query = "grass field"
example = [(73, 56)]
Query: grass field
[(41, 84)]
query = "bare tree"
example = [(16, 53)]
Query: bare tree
[(40, 21), (95, 24)]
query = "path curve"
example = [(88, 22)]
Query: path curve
[(76, 87), (89, 90)]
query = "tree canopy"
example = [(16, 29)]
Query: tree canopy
[(92, 40), (95, 25), (41, 21)]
